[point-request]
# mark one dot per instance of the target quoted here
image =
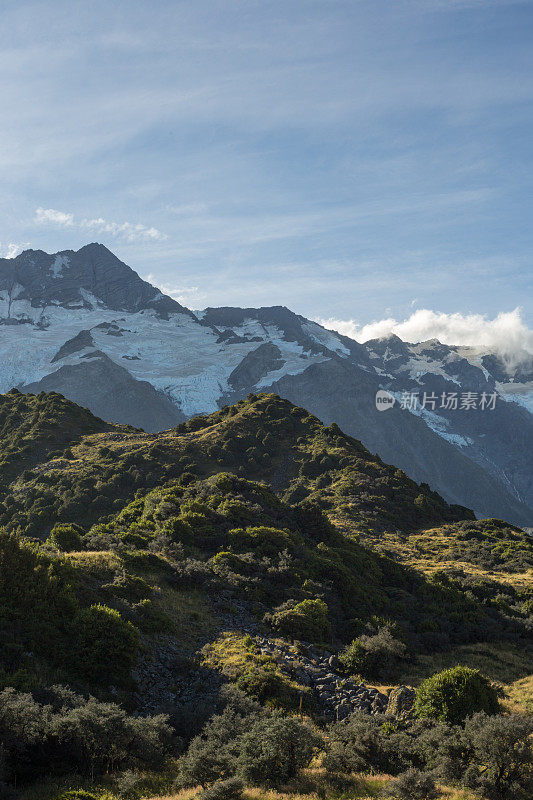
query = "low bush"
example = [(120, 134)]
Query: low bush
[(374, 656), (106, 645), (455, 694), (413, 785), (66, 537), (275, 749), (230, 789), (307, 620)]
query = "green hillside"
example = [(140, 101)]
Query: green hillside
[(80, 478), (144, 569)]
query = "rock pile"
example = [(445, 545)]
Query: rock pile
[(167, 677), (336, 695)]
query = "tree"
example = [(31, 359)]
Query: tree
[(273, 750), (501, 759), (455, 694), (361, 743), (214, 753)]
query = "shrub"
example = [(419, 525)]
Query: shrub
[(500, 756), (361, 743), (413, 785), (230, 789), (99, 737), (373, 656), (106, 646), (63, 731), (274, 750), (213, 754), (307, 620), (454, 694), (66, 537)]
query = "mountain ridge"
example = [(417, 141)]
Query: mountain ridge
[(198, 362)]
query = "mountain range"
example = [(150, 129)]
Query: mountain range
[(87, 326)]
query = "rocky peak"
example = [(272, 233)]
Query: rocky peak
[(82, 278)]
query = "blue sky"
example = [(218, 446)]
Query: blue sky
[(353, 160)]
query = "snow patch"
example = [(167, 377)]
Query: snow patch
[(325, 338), (57, 267), (440, 425)]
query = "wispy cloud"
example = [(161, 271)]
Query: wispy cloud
[(507, 332), (186, 295), (127, 231)]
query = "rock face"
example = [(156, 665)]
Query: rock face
[(79, 342), (56, 309), (70, 279), (264, 359), (120, 398), (401, 702)]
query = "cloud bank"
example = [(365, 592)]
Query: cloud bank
[(506, 333), (127, 231)]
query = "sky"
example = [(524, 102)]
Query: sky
[(366, 163)]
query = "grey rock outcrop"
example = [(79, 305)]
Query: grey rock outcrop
[(111, 393)]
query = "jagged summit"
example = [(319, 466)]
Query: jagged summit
[(80, 279)]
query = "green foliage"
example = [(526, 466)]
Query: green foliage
[(34, 427), (490, 754), (37, 605), (413, 785), (65, 731), (66, 537), (273, 750), (305, 620), (229, 789), (239, 659), (500, 756), (373, 656), (321, 465), (361, 743), (213, 754), (106, 645), (454, 694)]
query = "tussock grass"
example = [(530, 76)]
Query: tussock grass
[(503, 664)]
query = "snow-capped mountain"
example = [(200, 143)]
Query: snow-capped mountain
[(84, 324)]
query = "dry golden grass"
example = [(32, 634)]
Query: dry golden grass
[(192, 619), (503, 663), (315, 783), (94, 560), (520, 695)]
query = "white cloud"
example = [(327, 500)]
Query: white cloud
[(183, 294), (50, 216), (12, 249), (506, 333), (127, 231)]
